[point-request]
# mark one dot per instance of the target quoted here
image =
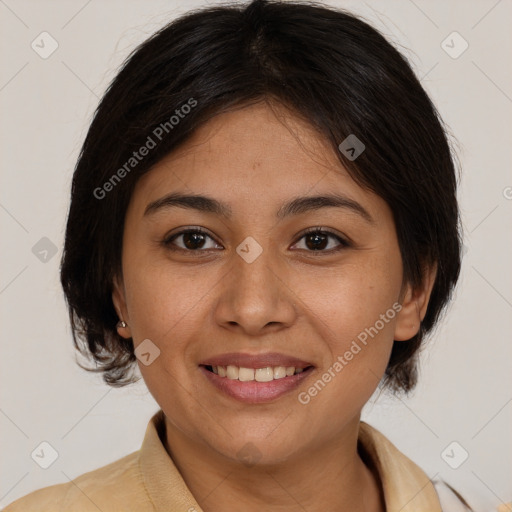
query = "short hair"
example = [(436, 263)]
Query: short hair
[(330, 68)]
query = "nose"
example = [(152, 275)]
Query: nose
[(254, 298)]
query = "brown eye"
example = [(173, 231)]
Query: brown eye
[(322, 241), (190, 240)]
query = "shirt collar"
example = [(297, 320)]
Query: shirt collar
[(406, 487)]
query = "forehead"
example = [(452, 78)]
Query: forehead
[(254, 157)]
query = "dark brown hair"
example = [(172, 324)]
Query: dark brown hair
[(326, 65)]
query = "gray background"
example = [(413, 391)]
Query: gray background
[(465, 392)]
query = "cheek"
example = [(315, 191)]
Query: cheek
[(160, 297), (355, 319), (354, 311), (170, 307), (352, 298), (167, 308)]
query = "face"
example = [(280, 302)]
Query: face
[(262, 276)]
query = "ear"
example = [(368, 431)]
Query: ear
[(119, 300), (414, 306)]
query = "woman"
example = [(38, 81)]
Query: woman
[(258, 222)]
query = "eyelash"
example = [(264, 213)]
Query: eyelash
[(168, 241)]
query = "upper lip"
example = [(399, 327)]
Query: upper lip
[(255, 360)]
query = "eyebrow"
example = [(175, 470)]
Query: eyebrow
[(296, 206)]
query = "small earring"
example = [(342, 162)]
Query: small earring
[(122, 324)]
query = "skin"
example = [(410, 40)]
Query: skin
[(291, 299)]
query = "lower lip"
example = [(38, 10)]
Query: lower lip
[(254, 392)]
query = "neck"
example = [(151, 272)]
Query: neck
[(332, 476)]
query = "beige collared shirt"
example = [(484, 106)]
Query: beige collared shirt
[(148, 481)]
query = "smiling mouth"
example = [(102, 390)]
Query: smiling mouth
[(266, 374)]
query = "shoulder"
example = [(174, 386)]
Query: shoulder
[(116, 486), (449, 498)]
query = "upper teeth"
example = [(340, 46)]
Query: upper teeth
[(259, 374)]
